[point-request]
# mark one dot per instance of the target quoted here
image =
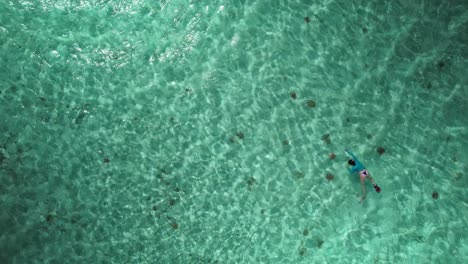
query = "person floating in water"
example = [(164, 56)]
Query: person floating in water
[(363, 173)]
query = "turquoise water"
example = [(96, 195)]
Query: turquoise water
[(200, 131)]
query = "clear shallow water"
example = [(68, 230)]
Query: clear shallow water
[(136, 132)]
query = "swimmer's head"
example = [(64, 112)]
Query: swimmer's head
[(351, 162)]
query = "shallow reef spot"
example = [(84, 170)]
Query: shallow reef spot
[(329, 176), (435, 195), (13, 89), (300, 174), (251, 181), (80, 117), (2, 157), (364, 30), (285, 142), (441, 64), (320, 243), (302, 251), (240, 135), (262, 211), (307, 19), (49, 218), (380, 150), (369, 136), (326, 138), (311, 103), (293, 95), (172, 202), (155, 207), (160, 176)]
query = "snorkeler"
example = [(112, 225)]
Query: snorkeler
[(363, 174)]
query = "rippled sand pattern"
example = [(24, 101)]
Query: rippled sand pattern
[(213, 131)]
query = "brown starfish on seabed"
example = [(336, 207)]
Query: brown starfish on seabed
[(330, 176), (435, 195), (332, 156), (293, 95), (311, 103), (380, 150)]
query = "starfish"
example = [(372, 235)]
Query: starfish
[(311, 103), (380, 150), (293, 95)]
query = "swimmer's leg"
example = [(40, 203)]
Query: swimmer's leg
[(363, 187), (376, 187)]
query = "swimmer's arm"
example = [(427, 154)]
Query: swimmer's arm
[(351, 153)]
